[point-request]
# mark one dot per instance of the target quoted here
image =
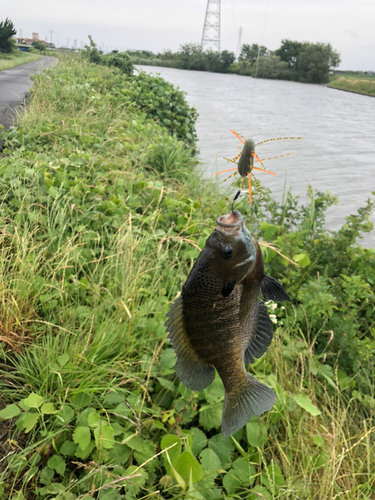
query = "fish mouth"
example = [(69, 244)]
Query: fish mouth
[(231, 220)]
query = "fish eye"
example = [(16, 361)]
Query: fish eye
[(228, 252)]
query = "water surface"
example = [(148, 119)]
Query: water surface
[(337, 154)]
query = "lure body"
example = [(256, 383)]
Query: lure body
[(245, 161)]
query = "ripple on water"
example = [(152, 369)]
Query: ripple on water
[(337, 155)]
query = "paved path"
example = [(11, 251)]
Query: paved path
[(14, 85)]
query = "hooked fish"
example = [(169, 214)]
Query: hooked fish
[(218, 321)]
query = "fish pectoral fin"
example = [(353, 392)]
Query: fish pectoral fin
[(273, 290), (190, 369), (228, 288), (261, 337), (242, 404)]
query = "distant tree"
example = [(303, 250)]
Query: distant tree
[(250, 52), (315, 61), (272, 67), (226, 59), (289, 52), (37, 44), (7, 30), (191, 56)]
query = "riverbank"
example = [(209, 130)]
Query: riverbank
[(354, 82), (8, 61), (103, 214)]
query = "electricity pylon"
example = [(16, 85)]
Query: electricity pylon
[(211, 28), (239, 44)]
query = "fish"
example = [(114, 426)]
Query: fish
[(218, 322)]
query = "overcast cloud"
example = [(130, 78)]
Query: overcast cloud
[(349, 25)]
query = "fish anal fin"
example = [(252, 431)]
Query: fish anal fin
[(273, 290), (261, 337), (253, 398), (190, 369)]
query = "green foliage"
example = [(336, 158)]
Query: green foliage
[(250, 53), (120, 60), (38, 45), (101, 222), (303, 62), (309, 62), (7, 30), (161, 101)]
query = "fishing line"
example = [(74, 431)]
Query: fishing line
[(257, 62)]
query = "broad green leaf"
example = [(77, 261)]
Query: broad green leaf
[(119, 454), (63, 359), (82, 437), (175, 442), (34, 400), (46, 475), (68, 448), (29, 421), (114, 398), (256, 432), (66, 414), (223, 447), (57, 463), (244, 471), (302, 259), (231, 482), (51, 489), (167, 360), (48, 409), (147, 452), (305, 402), (10, 411), (81, 400), (135, 442), (104, 437), (272, 476), (186, 465), (215, 391), (134, 484), (209, 460), (83, 454), (93, 419), (199, 440), (210, 416)]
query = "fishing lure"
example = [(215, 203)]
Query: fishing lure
[(245, 161)]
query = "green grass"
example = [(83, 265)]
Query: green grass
[(354, 82), (102, 218), (8, 61)]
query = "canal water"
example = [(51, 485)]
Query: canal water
[(336, 155)]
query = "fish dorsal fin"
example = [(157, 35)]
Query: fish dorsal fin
[(262, 336), (273, 290), (190, 369)]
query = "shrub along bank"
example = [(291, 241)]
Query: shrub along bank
[(102, 216)]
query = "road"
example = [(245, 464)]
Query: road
[(14, 85)]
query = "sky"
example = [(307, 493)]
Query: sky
[(348, 25)]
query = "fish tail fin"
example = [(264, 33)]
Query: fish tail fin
[(253, 398)]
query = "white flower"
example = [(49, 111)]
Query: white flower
[(273, 318)]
